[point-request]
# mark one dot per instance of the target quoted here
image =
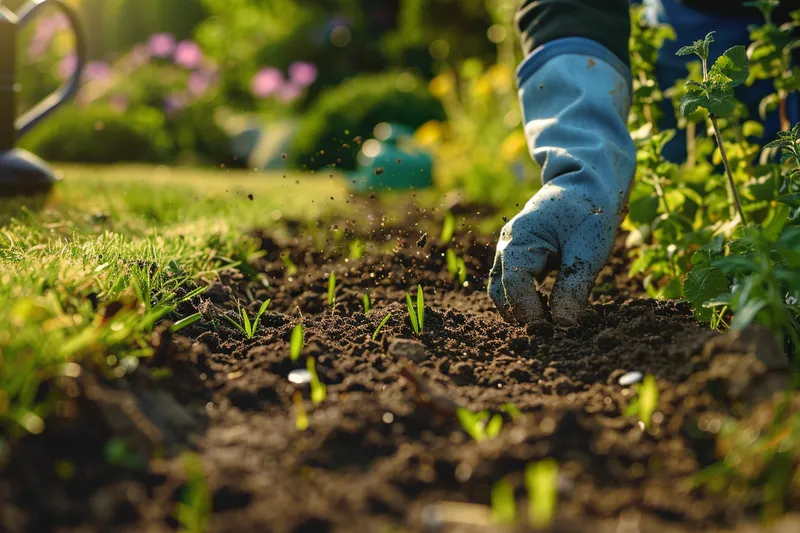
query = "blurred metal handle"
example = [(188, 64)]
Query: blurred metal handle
[(32, 117)]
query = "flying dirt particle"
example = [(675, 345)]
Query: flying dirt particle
[(284, 156), (422, 240), (358, 140), (379, 171), (399, 161), (505, 219), (590, 63), (372, 196), (251, 197)]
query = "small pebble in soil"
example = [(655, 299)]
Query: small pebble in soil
[(407, 349), (422, 241), (300, 377), (630, 378)]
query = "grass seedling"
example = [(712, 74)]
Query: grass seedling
[(247, 326), (715, 95), (541, 482), (185, 322), (367, 304), (194, 508), (504, 507), (417, 315), (296, 342), (318, 389), (480, 425), (380, 326), (332, 290), (448, 228), (456, 266), (300, 417), (646, 401)]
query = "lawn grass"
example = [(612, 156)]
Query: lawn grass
[(131, 235)]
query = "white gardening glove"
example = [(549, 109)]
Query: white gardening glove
[(575, 96)]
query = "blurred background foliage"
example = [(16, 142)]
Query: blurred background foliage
[(271, 83)]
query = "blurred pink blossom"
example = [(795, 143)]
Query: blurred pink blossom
[(289, 92), (188, 54), (66, 67), (303, 73), (266, 82), (46, 29), (96, 71), (199, 83), (161, 44)]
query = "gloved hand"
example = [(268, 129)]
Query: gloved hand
[(575, 96)]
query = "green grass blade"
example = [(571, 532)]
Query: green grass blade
[(318, 389), (648, 399), (448, 228), (185, 322), (412, 315), (380, 326), (494, 426), (366, 304), (261, 311), (504, 506), (331, 290), (197, 292), (248, 327), (452, 263), (296, 343), (235, 324), (471, 422), (420, 309), (541, 481)]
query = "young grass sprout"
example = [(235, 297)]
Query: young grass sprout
[(247, 326), (480, 425), (504, 506), (380, 326), (185, 322), (195, 506), (367, 304), (417, 315), (456, 266), (296, 342), (332, 291), (646, 401), (318, 389), (541, 482)]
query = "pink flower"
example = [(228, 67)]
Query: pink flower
[(302, 73), (162, 44), (289, 92), (188, 54), (199, 83), (97, 70), (266, 82), (67, 66)]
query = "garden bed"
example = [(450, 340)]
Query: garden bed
[(385, 451)]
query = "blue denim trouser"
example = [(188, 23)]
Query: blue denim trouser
[(689, 26)]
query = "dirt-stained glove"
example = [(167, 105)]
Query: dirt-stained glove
[(575, 96)]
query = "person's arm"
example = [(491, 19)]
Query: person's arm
[(574, 88)]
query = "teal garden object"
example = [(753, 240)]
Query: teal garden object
[(390, 161)]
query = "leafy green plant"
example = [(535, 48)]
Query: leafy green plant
[(480, 425), (332, 290), (541, 482), (380, 325), (645, 402), (417, 314), (296, 342), (715, 94), (504, 506), (788, 142), (185, 322), (194, 508), (247, 326), (318, 389)]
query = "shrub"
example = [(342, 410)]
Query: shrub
[(100, 134), (341, 114)]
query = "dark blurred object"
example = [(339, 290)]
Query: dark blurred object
[(21, 172), (332, 130)]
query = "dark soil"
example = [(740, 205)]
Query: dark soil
[(384, 452)]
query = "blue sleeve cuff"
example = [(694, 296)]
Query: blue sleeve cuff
[(569, 45)]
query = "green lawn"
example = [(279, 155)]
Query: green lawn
[(131, 235)]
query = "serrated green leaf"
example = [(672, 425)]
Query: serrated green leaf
[(731, 68), (702, 285), (708, 252)]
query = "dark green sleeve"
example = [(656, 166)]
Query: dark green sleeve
[(604, 21)]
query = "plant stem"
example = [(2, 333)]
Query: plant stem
[(725, 162)]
